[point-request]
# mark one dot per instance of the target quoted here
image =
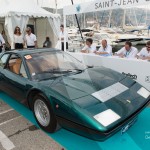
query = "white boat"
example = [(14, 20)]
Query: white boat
[(103, 35), (121, 37), (72, 31)]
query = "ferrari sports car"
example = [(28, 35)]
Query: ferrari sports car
[(94, 102)]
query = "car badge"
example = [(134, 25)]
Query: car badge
[(130, 124)]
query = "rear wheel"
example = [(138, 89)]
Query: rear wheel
[(44, 114)]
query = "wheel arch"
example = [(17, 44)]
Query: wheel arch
[(32, 93)]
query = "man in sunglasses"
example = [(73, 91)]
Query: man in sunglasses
[(145, 52)]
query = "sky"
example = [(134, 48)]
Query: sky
[(60, 3)]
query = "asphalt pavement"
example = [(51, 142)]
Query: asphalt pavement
[(17, 133)]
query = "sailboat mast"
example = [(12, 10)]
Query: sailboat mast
[(146, 17), (109, 21), (135, 18), (124, 18)]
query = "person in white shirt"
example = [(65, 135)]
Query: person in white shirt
[(145, 52), (63, 35), (2, 43), (128, 51), (89, 47), (105, 49), (18, 39), (30, 39)]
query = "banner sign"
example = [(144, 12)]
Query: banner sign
[(99, 5)]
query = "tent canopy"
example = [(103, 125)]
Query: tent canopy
[(60, 3), (18, 12), (23, 7)]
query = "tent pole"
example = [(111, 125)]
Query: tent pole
[(35, 26), (56, 6), (78, 23), (65, 32), (37, 2)]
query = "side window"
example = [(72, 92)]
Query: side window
[(22, 71), (3, 60), (15, 65)]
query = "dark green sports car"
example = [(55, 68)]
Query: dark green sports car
[(91, 101)]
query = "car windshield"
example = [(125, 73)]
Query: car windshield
[(45, 65)]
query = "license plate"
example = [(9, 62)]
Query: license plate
[(126, 127)]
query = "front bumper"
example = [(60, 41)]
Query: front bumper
[(95, 134)]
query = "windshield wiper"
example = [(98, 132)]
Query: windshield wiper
[(42, 79), (55, 71), (78, 70), (90, 66)]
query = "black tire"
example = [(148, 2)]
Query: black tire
[(51, 127)]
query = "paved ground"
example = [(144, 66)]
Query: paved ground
[(16, 133)]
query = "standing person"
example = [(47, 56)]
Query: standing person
[(145, 52), (7, 45), (2, 43), (30, 39), (63, 35), (47, 43), (128, 51), (89, 47), (105, 49), (18, 39)]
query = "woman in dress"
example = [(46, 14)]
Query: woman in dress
[(18, 39)]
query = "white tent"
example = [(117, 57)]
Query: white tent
[(60, 4), (18, 13)]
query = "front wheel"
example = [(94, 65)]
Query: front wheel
[(44, 114)]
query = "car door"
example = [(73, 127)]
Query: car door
[(15, 78), (3, 61)]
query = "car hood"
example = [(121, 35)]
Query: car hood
[(85, 83)]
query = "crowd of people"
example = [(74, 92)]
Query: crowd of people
[(22, 41), (128, 51), (30, 41)]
